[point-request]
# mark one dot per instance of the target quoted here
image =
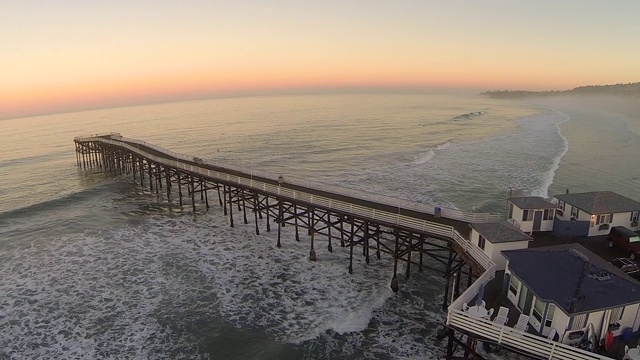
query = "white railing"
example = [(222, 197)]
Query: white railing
[(283, 190), (344, 206), (357, 194), (514, 222), (535, 345), (504, 335), (84, 138), (476, 253)]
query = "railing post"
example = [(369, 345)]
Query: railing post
[(553, 348)]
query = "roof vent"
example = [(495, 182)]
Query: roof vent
[(602, 276)]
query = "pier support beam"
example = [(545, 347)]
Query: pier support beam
[(279, 220), (311, 210), (394, 280), (230, 207)]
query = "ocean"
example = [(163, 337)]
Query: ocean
[(92, 266)]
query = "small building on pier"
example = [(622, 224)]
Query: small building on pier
[(495, 237), (568, 288), (594, 213), (532, 213)]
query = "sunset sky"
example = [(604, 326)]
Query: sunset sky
[(64, 55)]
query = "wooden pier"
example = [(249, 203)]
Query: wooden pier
[(368, 225)]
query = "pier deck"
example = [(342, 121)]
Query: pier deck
[(414, 234)]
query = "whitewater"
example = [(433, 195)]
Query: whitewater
[(94, 266)]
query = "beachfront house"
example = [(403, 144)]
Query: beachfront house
[(532, 213), (568, 288), (493, 238), (594, 213)]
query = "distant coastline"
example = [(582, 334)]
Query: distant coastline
[(626, 90)]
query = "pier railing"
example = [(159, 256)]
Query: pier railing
[(509, 337), (389, 217), (445, 212), (282, 190)]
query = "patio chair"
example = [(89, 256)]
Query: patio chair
[(523, 322), (502, 316), (489, 314)]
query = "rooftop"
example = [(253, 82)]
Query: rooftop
[(532, 202), (600, 202), (500, 232), (572, 277)]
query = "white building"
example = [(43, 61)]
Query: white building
[(492, 238), (532, 213), (594, 213), (567, 287)]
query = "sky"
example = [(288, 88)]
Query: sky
[(63, 55)]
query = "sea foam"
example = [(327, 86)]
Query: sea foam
[(425, 157)]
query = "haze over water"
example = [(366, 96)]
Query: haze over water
[(93, 266)]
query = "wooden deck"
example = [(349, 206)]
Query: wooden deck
[(356, 218), (422, 219)]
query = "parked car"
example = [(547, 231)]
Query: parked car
[(626, 240), (627, 266)]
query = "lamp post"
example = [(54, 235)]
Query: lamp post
[(398, 220), (280, 181)]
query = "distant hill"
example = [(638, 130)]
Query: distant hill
[(630, 89)]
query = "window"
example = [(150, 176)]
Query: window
[(551, 310), (604, 219), (510, 211), (481, 242), (561, 205), (574, 212), (527, 215), (634, 216), (514, 285), (538, 310), (548, 214)]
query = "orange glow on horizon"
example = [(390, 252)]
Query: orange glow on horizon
[(86, 55), (182, 86)]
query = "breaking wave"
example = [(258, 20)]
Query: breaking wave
[(468, 116), (425, 157)]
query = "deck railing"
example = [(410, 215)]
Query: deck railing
[(456, 318), (533, 345), (359, 194), (312, 199), (389, 217)]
